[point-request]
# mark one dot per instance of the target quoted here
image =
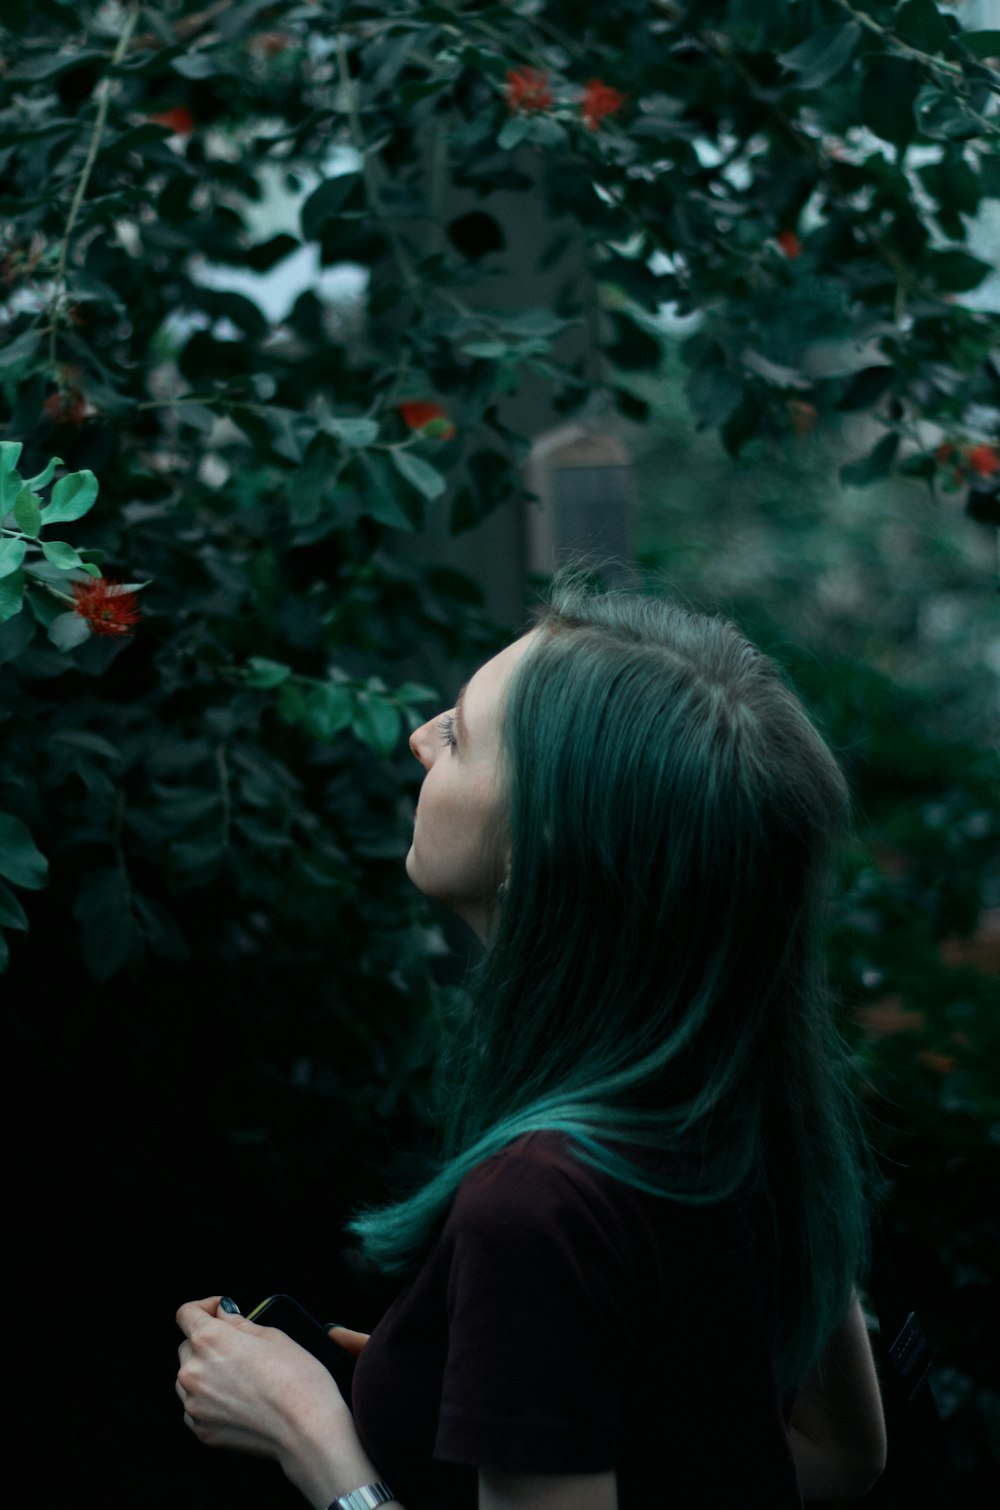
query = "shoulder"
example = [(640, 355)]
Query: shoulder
[(539, 1197), (536, 1174), (545, 1173)]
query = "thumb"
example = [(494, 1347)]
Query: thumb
[(352, 1342)]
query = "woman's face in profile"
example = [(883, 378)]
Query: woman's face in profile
[(453, 857)]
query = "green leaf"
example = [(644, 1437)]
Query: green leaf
[(416, 692), (28, 512), (12, 914), (11, 594), (328, 709), (267, 254), (888, 96), (326, 203), (953, 183), (512, 132), (823, 55), (379, 495), (857, 474), (103, 909), (955, 272), (419, 473), (920, 23), (866, 387), (981, 44), (43, 479), (773, 374), (944, 117), (631, 405), (72, 497), (17, 355), (68, 630), (51, 64), (376, 723), (635, 350), (21, 861), (146, 134), (535, 321), (545, 131), (714, 393), (11, 555), (488, 350), (989, 175), (16, 635), (262, 673), (10, 455), (59, 554), (354, 433), (10, 487)]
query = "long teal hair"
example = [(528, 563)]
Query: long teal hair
[(654, 977)]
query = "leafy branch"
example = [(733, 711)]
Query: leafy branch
[(104, 96)]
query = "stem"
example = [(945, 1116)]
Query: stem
[(104, 97), (223, 769), (439, 168), (361, 146), (952, 70), (63, 597)]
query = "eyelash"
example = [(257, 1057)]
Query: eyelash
[(447, 727)]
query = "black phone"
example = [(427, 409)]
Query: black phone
[(295, 1321)]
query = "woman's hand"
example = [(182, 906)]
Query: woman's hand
[(352, 1342), (253, 1389)]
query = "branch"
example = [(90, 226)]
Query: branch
[(104, 96), (954, 72)]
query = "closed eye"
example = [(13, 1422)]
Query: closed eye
[(446, 727)]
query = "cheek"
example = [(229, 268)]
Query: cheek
[(450, 854)]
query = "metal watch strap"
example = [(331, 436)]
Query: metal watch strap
[(365, 1498)]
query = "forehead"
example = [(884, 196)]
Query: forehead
[(484, 693)]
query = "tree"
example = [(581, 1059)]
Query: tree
[(206, 802)]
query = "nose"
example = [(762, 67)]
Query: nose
[(422, 744)]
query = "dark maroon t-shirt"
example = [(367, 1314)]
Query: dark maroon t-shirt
[(566, 1323)]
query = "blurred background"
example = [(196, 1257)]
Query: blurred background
[(362, 318)]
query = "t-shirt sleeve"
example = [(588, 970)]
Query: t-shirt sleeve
[(540, 1329)]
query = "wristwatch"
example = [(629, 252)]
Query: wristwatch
[(365, 1498)]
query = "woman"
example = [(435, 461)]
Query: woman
[(630, 1279)]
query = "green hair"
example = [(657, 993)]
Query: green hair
[(654, 979)]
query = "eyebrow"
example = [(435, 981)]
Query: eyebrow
[(458, 712)]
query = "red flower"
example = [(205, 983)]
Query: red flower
[(67, 407), (803, 415), (420, 414), (599, 100), (789, 243), (983, 459), (269, 44), (108, 607), (528, 89), (179, 119)]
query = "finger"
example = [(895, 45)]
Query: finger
[(352, 1342), (195, 1313)]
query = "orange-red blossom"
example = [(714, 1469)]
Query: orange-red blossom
[(599, 100), (981, 459), (421, 414), (528, 89), (108, 607)]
